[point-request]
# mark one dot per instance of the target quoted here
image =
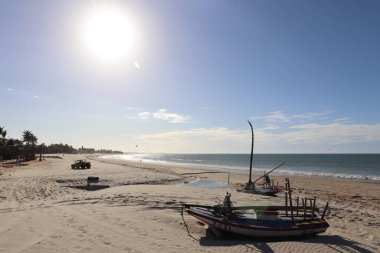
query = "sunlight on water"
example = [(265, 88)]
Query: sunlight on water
[(364, 167)]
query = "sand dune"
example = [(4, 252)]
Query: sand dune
[(43, 209)]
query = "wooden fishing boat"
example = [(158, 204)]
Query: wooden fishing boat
[(269, 188), (262, 221), (271, 191), (260, 224)]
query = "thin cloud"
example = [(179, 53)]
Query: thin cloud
[(218, 133), (170, 117), (163, 114), (144, 115), (306, 134), (310, 115), (334, 133), (276, 116), (269, 127), (279, 116), (344, 119)]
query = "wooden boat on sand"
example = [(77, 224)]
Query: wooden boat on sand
[(272, 191), (269, 187), (261, 221)]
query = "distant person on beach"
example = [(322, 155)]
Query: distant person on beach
[(266, 181)]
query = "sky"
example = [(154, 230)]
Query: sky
[(185, 76)]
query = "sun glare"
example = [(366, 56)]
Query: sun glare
[(109, 35)]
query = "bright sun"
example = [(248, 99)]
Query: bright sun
[(109, 35)]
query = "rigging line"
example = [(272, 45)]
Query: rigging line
[(185, 224)]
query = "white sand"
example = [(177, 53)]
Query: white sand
[(140, 211)]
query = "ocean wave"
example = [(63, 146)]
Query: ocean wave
[(157, 158)]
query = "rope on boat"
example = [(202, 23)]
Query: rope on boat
[(185, 224)]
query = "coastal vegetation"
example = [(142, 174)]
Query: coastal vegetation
[(27, 148)]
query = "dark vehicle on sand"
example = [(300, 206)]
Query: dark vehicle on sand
[(80, 164)]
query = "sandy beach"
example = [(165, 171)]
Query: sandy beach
[(44, 208)]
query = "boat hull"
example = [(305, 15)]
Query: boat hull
[(262, 191), (250, 226)]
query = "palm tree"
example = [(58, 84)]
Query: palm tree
[(30, 139), (3, 133), (42, 147)]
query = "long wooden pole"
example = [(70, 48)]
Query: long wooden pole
[(270, 171), (298, 202), (250, 165), (290, 199), (312, 210), (324, 211), (304, 207), (251, 161)]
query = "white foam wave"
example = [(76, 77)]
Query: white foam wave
[(151, 158)]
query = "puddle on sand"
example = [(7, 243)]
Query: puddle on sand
[(205, 184)]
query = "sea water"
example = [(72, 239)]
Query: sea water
[(365, 167)]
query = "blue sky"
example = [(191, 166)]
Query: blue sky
[(306, 73)]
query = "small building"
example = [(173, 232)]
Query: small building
[(83, 150)]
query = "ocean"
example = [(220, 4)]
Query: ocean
[(363, 167)]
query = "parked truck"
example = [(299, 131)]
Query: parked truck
[(81, 164)]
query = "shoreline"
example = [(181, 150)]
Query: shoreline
[(237, 170), (43, 211), (239, 178)]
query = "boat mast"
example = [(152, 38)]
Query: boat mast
[(250, 165)]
